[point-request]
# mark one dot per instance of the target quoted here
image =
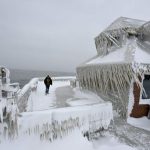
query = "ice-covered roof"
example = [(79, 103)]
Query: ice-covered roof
[(123, 22), (128, 53), (115, 34), (141, 56), (114, 57)]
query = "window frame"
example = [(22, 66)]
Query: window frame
[(141, 100)]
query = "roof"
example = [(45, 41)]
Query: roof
[(131, 49), (128, 53), (123, 22), (116, 32)]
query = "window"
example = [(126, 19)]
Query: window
[(146, 85)]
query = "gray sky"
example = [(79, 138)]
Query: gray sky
[(58, 34)]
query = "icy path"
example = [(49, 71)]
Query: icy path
[(60, 95), (39, 101)]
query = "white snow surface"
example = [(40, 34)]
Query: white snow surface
[(143, 122), (75, 141), (114, 57), (84, 98), (39, 101), (141, 56)]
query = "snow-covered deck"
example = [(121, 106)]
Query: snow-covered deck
[(43, 109), (60, 95), (69, 103), (39, 101)]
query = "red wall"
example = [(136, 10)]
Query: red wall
[(139, 110)]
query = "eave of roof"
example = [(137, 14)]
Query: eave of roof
[(128, 53)]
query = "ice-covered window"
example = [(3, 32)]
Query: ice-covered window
[(146, 85)]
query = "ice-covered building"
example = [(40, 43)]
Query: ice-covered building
[(120, 72), (8, 100)]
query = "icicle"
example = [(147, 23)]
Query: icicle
[(111, 38), (1, 112)]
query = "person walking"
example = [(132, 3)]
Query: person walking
[(47, 82)]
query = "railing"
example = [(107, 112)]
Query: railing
[(14, 85), (4, 80), (59, 78), (57, 123), (24, 94)]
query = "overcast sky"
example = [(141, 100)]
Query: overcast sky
[(58, 34)]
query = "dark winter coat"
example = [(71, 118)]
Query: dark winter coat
[(48, 81)]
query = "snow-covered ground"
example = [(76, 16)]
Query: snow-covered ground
[(75, 141), (83, 98), (41, 109), (39, 101), (143, 122)]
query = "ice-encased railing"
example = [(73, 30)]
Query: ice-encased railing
[(8, 106), (25, 93), (58, 123)]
